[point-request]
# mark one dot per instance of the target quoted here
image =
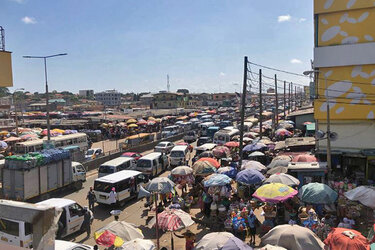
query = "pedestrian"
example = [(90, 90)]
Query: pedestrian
[(189, 239), (91, 198), (86, 225), (113, 197), (251, 219)]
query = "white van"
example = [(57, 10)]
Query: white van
[(204, 126), (125, 182), (16, 233), (225, 135), (116, 165), (71, 218), (179, 156), (153, 164)]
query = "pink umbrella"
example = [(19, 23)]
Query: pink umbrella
[(304, 158)]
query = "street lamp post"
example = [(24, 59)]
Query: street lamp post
[(47, 94), (329, 163), (15, 108)]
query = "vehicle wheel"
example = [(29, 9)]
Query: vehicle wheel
[(78, 185)]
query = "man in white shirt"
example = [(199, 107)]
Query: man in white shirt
[(113, 196)]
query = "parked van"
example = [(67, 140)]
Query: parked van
[(126, 183), (71, 218), (225, 135), (153, 164), (116, 165), (180, 155), (16, 233), (170, 131), (204, 126)]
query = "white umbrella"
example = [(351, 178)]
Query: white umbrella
[(270, 247), (283, 178), (253, 165), (182, 170), (256, 154), (126, 231), (363, 194), (160, 185), (221, 240), (138, 244)]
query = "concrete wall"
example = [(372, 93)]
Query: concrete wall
[(352, 135), (90, 165)]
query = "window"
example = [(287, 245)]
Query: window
[(75, 210), (121, 186), (102, 186), (28, 228), (9, 227)]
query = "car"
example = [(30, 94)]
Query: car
[(133, 155), (93, 153), (67, 245), (190, 136), (203, 140), (164, 147)]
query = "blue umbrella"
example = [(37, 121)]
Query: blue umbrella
[(249, 176), (229, 171), (317, 193), (254, 147), (3, 144), (217, 180)]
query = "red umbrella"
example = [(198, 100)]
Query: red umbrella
[(106, 239), (346, 239), (211, 161), (142, 122), (232, 144), (221, 152), (307, 123), (305, 158)]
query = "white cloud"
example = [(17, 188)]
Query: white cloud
[(295, 61), (301, 20), (222, 74), (28, 20), (285, 18)]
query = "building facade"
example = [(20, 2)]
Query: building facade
[(167, 100), (109, 98), (86, 93), (344, 56)]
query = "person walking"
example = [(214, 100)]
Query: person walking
[(87, 222), (91, 198), (113, 197)]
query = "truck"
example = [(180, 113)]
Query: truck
[(30, 181)]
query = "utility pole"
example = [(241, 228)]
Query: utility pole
[(277, 103), (243, 106), (295, 97), (284, 100), (260, 105), (289, 108)]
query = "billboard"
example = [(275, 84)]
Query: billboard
[(324, 6), (6, 77), (351, 93)]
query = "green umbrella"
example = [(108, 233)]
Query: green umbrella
[(317, 193)]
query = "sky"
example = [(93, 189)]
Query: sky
[(131, 45)]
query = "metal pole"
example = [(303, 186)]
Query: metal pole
[(15, 113), (328, 130), (284, 100), (157, 223), (47, 101), (243, 106), (290, 101), (277, 103), (260, 105)]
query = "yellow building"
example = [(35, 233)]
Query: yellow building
[(344, 54)]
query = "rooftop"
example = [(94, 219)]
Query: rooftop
[(302, 112)]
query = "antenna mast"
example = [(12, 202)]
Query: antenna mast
[(2, 39), (168, 85)]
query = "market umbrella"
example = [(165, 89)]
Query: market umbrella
[(221, 152), (254, 147), (229, 171), (274, 192), (207, 154), (210, 161), (232, 144), (282, 132), (4, 133), (3, 144), (151, 123), (133, 125), (346, 239), (131, 121), (12, 139), (247, 140), (363, 194), (251, 135), (122, 231), (142, 122), (283, 178), (307, 123), (249, 176), (276, 170), (270, 247), (221, 241), (203, 168), (292, 237), (160, 185), (217, 180), (256, 154), (304, 158), (138, 244), (29, 137), (255, 165), (182, 170), (278, 163), (151, 118), (172, 220), (317, 193)]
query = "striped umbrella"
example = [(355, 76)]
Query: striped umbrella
[(172, 220)]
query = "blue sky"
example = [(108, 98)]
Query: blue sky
[(131, 45)]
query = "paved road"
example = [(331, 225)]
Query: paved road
[(133, 212)]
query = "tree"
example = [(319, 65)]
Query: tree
[(4, 92)]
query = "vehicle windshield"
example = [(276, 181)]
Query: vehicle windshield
[(90, 152), (177, 154), (144, 163), (191, 133), (102, 186), (162, 145), (106, 169), (80, 169)]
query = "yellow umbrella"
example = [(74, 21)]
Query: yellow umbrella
[(4, 132), (158, 120), (133, 125), (151, 118), (60, 131), (118, 242), (131, 121)]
